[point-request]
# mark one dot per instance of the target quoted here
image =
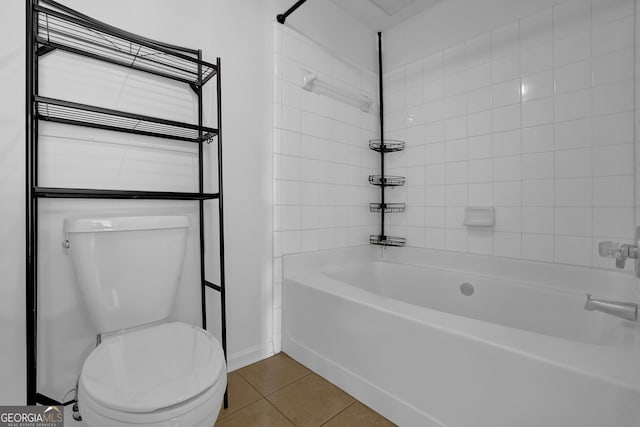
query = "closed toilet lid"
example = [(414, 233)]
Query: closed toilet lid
[(152, 368)]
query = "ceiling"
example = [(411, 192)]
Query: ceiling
[(379, 15)]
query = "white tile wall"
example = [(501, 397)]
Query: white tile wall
[(321, 157), (534, 118)]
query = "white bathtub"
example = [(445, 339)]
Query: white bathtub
[(396, 332)]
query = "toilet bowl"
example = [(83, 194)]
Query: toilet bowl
[(172, 374), (147, 371)]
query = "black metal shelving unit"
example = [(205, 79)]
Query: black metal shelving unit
[(383, 147), (51, 26)]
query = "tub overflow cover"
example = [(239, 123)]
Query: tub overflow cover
[(466, 288)]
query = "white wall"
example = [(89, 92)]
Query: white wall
[(328, 25), (239, 32), (533, 116)]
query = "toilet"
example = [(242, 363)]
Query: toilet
[(146, 371)]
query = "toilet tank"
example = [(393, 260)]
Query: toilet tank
[(127, 268)]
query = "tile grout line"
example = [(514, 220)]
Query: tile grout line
[(250, 403), (278, 409), (341, 411)]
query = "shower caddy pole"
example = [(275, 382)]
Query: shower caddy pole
[(383, 147), (57, 27)]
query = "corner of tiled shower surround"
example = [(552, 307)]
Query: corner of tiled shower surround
[(321, 159)]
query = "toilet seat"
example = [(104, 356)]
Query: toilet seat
[(153, 368)]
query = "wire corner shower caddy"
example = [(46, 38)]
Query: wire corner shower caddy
[(383, 147), (51, 26)]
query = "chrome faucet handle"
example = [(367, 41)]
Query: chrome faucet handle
[(610, 249)]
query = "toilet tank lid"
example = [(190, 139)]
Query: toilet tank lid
[(100, 224)]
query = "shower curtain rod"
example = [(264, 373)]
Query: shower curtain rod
[(283, 16)]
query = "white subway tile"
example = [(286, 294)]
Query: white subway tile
[(613, 222), (480, 194), (573, 134), (434, 238), (480, 170), (434, 174), (574, 192), (537, 59), (537, 139), (434, 195), (613, 67), (434, 153), (573, 221), (480, 242), (536, 29), (480, 147), (479, 76), (538, 220), (504, 40), (573, 105), (613, 191), (507, 168), (506, 118), (613, 160), (613, 129), (508, 219), (434, 216), (456, 194), (480, 123), (572, 250), (506, 93), (505, 69), (538, 166), (456, 150), (478, 50), (456, 173), (507, 193), (539, 192), (537, 247), (454, 59), (456, 240), (613, 36), (537, 112), (456, 128), (537, 85), (455, 83), (613, 98), (571, 17), (573, 163), (572, 48), (507, 143), (454, 217), (507, 244)]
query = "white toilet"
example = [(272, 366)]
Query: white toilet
[(146, 371)]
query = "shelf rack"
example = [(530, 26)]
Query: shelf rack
[(73, 113), (51, 26), (386, 180), (59, 27), (387, 207), (386, 146), (383, 147)]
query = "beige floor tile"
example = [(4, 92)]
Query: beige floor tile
[(273, 373), (358, 415), (257, 414), (310, 401), (241, 394)]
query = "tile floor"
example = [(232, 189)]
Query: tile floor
[(279, 391)]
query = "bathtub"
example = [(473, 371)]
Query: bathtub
[(393, 328)]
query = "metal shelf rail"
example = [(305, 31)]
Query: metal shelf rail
[(51, 26)]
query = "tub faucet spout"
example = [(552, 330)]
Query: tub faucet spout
[(625, 310)]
